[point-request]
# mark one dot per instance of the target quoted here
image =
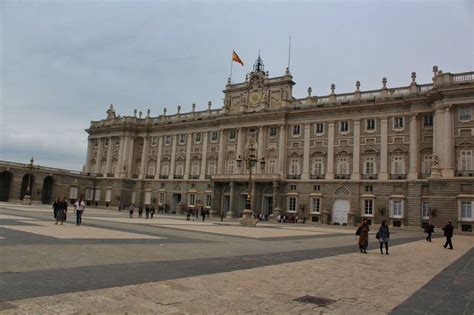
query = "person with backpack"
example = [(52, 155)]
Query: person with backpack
[(363, 233), (383, 235), (448, 233), (429, 229)]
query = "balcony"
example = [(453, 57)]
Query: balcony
[(369, 176), (134, 175), (207, 176), (178, 176), (398, 176), (316, 176), (464, 173), (423, 175), (110, 174), (99, 175), (150, 176), (164, 176), (343, 176), (294, 177), (193, 176), (245, 177)]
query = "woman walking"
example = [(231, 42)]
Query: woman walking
[(62, 209), (55, 207), (383, 236), (363, 232)]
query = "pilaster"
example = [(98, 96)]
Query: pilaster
[(414, 148), (330, 159), (260, 148), (188, 155), (383, 149), (356, 151), (448, 169), (109, 155), (204, 156), (173, 156), (307, 134), (220, 160), (158, 159), (143, 167), (282, 156), (98, 167)]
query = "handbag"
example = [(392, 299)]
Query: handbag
[(358, 231), (377, 236)]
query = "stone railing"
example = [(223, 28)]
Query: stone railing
[(39, 168)]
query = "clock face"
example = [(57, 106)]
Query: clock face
[(255, 97)]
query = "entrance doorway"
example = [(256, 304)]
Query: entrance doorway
[(24, 184), (175, 202), (5, 182), (267, 205), (225, 204), (340, 210), (47, 191)]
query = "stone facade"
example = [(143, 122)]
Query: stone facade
[(399, 154)]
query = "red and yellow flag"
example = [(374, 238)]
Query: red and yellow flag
[(236, 58)]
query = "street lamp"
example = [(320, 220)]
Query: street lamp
[(27, 196), (250, 160)]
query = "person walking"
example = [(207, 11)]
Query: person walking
[(62, 210), (429, 229), (448, 233), (203, 214), (363, 232), (55, 207), (140, 211), (147, 212), (131, 209), (152, 211), (383, 236), (79, 207)]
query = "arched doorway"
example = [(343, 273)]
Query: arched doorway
[(5, 182), (341, 206), (47, 191), (24, 184)]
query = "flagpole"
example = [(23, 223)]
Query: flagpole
[(231, 64), (289, 51)]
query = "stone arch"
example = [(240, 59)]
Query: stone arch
[(342, 192), (47, 190), (5, 183), (24, 185)]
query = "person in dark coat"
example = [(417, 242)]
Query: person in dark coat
[(429, 229), (140, 211), (152, 211), (363, 232), (147, 212), (383, 236), (55, 207), (448, 233), (131, 209), (62, 209)]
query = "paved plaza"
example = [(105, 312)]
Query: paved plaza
[(116, 265)]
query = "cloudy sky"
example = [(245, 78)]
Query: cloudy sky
[(63, 62)]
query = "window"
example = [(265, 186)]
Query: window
[(426, 164), (368, 207), (195, 168), (316, 187), (162, 198), (165, 169), (97, 194), (398, 123), (209, 186), (396, 209), (369, 165), (466, 210), (193, 185), (73, 192), (89, 192), (294, 166), (344, 126), (273, 131), (315, 205), (343, 165), (398, 165), (319, 128), (232, 135), (197, 137), (179, 171), (271, 166), (428, 121), (192, 200), (465, 160), (425, 210), (163, 185), (154, 141), (151, 170), (167, 140), (318, 166), (369, 188), (464, 113), (370, 124), (208, 200), (230, 167), (293, 187), (214, 136), (106, 144), (182, 139), (296, 130), (292, 204), (211, 167), (117, 143), (96, 144)]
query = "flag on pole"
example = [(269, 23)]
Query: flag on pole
[(236, 58)]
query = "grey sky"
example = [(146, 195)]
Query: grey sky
[(64, 62)]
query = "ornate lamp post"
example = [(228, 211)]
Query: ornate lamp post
[(250, 161), (27, 197)]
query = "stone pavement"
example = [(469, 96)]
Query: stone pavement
[(174, 266)]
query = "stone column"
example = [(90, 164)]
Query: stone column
[(130, 151), (307, 135), (108, 168), (282, 152), (414, 149), (204, 156), (188, 155), (143, 167), (438, 138), (240, 143), (173, 157), (448, 169), (260, 149), (158, 158), (89, 156), (230, 212), (98, 167), (356, 151), (220, 159), (118, 170), (383, 149), (330, 159)]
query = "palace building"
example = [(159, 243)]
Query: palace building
[(401, 154)]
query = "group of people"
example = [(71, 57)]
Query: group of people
[(383, 235), (194, 214), (60, 210), (149, 211)]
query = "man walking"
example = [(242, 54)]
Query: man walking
[(448, 233), (429, 230), (79, 207)]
